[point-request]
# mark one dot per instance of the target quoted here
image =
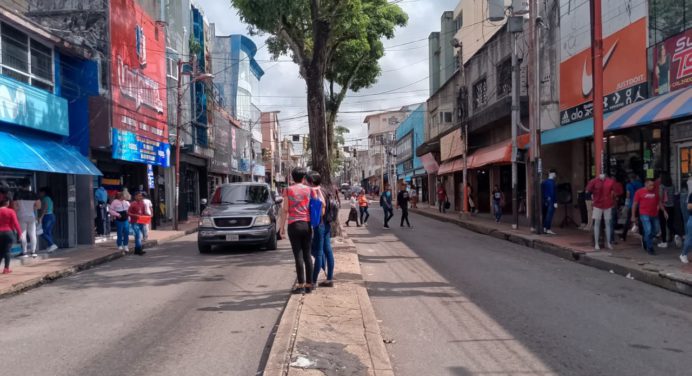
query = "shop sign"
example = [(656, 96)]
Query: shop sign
[(624, 57), (128, 146), (27, 106), (245, 165), (138, 72), (258, 170), (673, 63), (451, 145), (150, 177)]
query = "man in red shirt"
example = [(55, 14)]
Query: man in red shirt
[(648, 202), (441, 196), (137, 211), (602, 191)]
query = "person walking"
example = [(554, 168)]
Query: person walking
[(498, 202), (119, 208), (631, 188), (363, 204), (138, 218), (414, 197), (549, 192), (441, 197), (688, 230), (402, 200), (47, 218), (386, 204), (26, 203), (296, 211), (150, 212), (667, 195), (321, 238), (647, 203), (353, 212), (9, 229)]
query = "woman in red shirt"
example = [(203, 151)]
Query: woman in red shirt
[(9, 228)]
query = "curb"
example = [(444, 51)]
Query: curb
[(279, 359), (668, 281), (88, 264)]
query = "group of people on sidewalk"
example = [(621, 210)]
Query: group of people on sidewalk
[(23, 216), (403, 200), (649, 208), (135, 215), (308, 215)]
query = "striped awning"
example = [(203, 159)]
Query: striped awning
[(675, 105)]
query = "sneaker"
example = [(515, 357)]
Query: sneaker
[(550, 232), (24, 255), (610, 246), (597, 247), (385, 227), (8, 271), (662, 245), (52, 248), (684, 259), (678, 241), (34, 255)]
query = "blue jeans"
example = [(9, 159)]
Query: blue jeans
[(651, 227), (322, 250), (688, 236), (549, 212), (364, 215), (139, 231), (497, 210), (123, 231), (47, 224)]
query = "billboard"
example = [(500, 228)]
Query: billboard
[(27, 106), (138, 76), (672, 68), (624, 56), (128, 146)]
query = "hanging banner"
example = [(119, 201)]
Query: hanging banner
[(138, 72), (673, 63), (128, 146), (624, 57)]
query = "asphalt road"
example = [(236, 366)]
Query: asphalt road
[(453, 302), (171, 312)]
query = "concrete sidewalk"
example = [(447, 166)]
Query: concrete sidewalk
[(626, 259), (29, 273), (332, 331)]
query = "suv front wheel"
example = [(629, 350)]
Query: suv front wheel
[(271, 244), (203, 248)]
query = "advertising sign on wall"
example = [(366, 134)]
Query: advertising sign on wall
[(624, 57), (673, 63), (129, 146), (138, 74), (451, 145), (30, 107)]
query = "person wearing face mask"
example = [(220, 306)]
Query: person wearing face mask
[(603, 193), (549, 192)]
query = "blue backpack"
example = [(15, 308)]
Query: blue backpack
[(315, 211)]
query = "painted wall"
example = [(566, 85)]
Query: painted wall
[(415, 124), (78, 81)]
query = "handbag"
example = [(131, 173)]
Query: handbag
[(447, 204)]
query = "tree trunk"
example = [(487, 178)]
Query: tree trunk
[(317, 123)]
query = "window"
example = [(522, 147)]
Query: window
[(667, 18), (459, 22), (172, 68), (504, 78), (480, 94), (25, 59)]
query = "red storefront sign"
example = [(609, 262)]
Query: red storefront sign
[(673, 63), (138, 71)]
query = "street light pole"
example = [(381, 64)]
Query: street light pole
[(179, 111)]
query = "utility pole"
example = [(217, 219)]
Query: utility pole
[(597, 59), (534, 122), (515, 124)]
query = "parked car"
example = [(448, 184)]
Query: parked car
[(240, 213)]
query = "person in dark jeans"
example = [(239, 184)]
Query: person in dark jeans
[(441, 197), (9, 228), (296, 211), (386, 204), (402, 199)]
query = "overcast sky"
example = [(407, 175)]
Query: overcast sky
[(404, 66)]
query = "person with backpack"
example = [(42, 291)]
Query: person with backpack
[(386, 204), (322, 234), (402, 200)]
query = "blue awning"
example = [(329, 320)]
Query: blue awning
[(37, 154), (574, 131), (675, 105)]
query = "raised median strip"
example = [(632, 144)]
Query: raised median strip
[(657, 276), (331, 330)]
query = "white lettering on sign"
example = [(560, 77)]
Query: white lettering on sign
[(140, 88)]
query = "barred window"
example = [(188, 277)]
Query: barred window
[(24, 59), (504, 78), (480, 93)]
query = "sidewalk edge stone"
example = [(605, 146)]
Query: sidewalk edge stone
[(279, 357)]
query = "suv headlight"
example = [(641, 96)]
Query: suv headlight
[(206, 222), (263, 220)]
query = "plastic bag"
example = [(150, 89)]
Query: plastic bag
[(39, 229)]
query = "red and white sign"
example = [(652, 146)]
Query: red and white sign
[(673, 63), (138, 71)]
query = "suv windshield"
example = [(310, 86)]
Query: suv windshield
[(241, 194)]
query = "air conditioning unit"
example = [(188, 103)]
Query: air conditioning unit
[(520, 7), (496, 10)]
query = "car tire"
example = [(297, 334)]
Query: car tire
[(272, 243), (203, 248)]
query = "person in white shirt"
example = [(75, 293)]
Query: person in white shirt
[(118, 209), (26, 203), (150, 212)]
